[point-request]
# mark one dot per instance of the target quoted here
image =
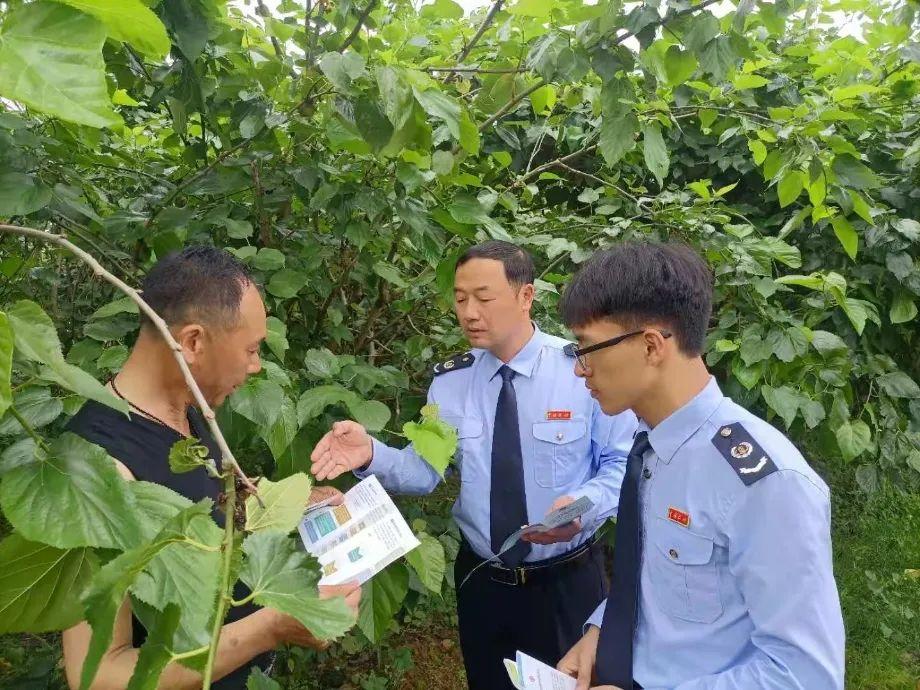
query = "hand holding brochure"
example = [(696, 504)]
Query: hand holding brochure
[(529, 674), (557, 518), (358, 539)]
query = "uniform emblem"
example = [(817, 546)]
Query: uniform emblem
[(737, 446), (742, 450), (554, 415), (681, 517), (454, 364)]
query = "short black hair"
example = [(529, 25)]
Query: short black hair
[(518, 264), (641, 284), (198, 282)]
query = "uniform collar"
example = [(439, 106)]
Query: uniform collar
[(524, 362), (673, 432)]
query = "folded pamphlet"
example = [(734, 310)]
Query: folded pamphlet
[(527, 673), (552, 520)]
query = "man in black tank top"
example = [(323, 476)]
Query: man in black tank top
[(217, 315)]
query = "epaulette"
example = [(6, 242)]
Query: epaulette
[(569, 350), (749, 461), (454, 363)]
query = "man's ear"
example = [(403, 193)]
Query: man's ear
[(656, 346), (526, 295), (191, 338)]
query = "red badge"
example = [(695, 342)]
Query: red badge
[(679, 516), (553, 415)]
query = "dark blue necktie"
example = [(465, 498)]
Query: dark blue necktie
[(614, 663), (507, 498)]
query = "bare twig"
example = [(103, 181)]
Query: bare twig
[(553, 163), (478, 70), (597, 179), (160, 325), (486, 23), (354, 32)]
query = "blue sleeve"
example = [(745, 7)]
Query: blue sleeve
[(611, 440), (401, 471), (780, 555)]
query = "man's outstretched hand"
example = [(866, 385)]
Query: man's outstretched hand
[(346, 447)]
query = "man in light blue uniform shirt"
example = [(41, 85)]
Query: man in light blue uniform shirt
[(723, 575), (531, 439)]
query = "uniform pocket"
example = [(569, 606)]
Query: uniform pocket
[(559, 446), (469, 441), (684, 573)]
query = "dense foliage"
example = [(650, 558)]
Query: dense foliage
[(348, 152)]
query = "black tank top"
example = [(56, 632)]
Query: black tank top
[(143, 445)]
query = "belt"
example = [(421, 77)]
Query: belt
[(536, 571)]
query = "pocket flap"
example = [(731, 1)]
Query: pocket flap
[(560, 432), (467, 427), (681, 546)]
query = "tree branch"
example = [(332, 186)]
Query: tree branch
[(486, 23), (479, 70), (354, 32), (546, 166), (160, 325)]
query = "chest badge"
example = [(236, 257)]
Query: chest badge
[(556, 415), (679, 516)]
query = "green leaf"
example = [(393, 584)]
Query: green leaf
[(276, 337), (656, 154), (124, 305), (156, 652), (718, 57), (847, 236), (188, 454), (37, 407), (543, 99), (315, 400), (238, 229), (341, 69), (442, 162), (33, 331), (538, 9), (854, 439), (40, 586), (758, 150), (396, 93), (617, 137), (861, 207), (903, 309), (268, 259), (790, 187), (372, 123), (859, 311), (390, 274), (371, 414), (852, 173), (284, 502), (429, 562), (749, 81), (433, 439), (110, 586), (77, 480), (380, 600), (469, 134), (75, 379), (897, 384), (6, 364), (908, 227), (322, 363), (21, 194), (51, 60), (130, 21), (784, 401), (257, 679), (438, 104), (283, 576), (828, 343), (282, 432), (259, 401), (286, 283)]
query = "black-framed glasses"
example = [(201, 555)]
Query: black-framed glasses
[(579, 353)]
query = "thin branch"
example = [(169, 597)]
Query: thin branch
[(160, 325), (597, 179), (486, 23), (478, 70), (357, 30), (546, 166), (510, 105)]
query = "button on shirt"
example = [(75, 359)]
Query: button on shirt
[(577, 451), (737, 589)]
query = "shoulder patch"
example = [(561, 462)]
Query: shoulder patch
[(454, 363), (569, 350), (746, 457)]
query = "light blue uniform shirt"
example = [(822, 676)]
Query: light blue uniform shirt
[(743, 596), (584, 455)]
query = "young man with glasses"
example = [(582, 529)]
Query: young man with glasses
[(531, 440), (722, 573)]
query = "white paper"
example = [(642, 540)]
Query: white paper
[(358, 539), (512, 669), (535, 675)]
